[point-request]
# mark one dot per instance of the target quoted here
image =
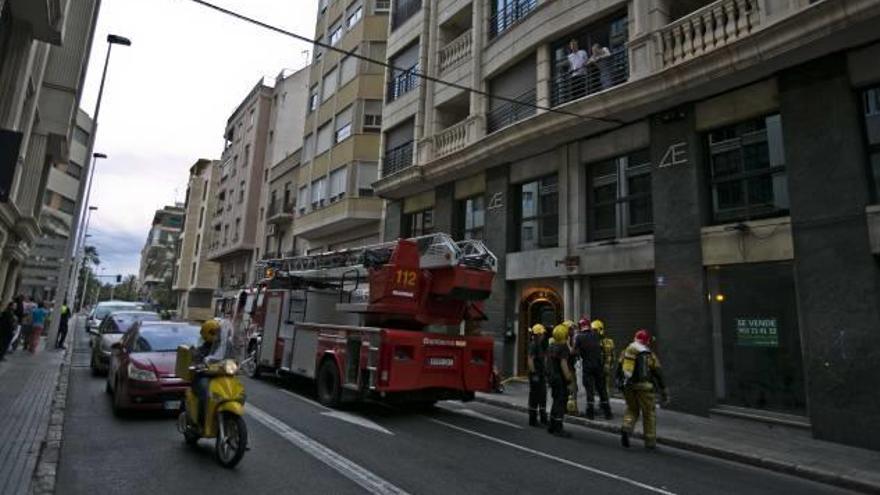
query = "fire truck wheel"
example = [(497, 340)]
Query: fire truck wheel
[(329, 387)]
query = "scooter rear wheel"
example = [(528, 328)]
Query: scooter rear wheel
[(231, 440)]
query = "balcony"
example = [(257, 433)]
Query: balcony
[(708, 29), (602, 74), (403, 83), (403, 10), (455, 51), (510, 15), (280, 213), (397, 159), (455, 137), (509, 112)]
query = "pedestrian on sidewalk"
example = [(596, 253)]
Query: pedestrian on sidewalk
[(588, 346), (8, 322), (62, 326), (640, 376), (537, 375), (24, 309), (38, 320), (562, 380)]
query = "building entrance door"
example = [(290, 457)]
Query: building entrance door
[(543, 306)]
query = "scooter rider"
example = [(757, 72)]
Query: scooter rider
[(201, 355), (537, 376), (588, 345), (562, 381)]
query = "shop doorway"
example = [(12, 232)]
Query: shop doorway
[(625, 303), (542, 306)]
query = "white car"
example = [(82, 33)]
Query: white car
[(104, 308)]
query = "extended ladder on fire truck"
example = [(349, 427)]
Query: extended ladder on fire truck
[(394, 319)]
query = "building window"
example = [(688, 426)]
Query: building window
[(382, 6), (871, 99), (472, 217), (347, 70), (252, 118), (287, 192), (322, 6), (329, 85), (335, 34), (354, 14), (325, 136), (197, 245), (372, 116), (314, 98), (403, 10), (419, 223), (237, 234), (319, 192), (404, 76), (368, 173), (308, 149), (74, 169), (66, 205), (318, 50), (247, 154), (192, 274), (302, 200), (507, 13), (338, 184), (620, 197), (747, 170), (201, 217), (80, 135), (539, 214), (343, 124), (241, 192)]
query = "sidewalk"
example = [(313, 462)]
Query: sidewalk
[(30, 430), (777, 448)]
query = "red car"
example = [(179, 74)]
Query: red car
[(141, 374)]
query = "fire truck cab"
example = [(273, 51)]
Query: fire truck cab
[(395, 321)]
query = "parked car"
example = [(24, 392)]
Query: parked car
[(104, 308), (110, 331), (141, 374)]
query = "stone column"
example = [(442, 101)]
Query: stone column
[(479, 105), (683, 323), (837, 277), (10, 286), (499, 225), (544, 64), (14, 75), (4, 269), (645, 46)]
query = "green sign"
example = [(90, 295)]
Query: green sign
[(757, 332)]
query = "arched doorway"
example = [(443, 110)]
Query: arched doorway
[(542, 306)]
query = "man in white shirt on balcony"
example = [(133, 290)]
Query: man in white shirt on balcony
[(577, 65)]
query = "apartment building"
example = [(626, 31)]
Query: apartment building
[(707, 170), (238, 219), (156, 274), (196, 278), (284, 148), (44, 51), (335, 204), (39, 275)]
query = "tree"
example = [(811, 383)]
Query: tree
[(128, 289)]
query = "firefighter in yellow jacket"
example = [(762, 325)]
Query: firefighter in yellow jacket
[(639, 376), (608, 357)]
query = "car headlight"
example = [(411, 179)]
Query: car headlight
[(229, 367), (141, 375)]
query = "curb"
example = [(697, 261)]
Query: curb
[(805, 472), (46, 472)]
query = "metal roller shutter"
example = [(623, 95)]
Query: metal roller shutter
[(624, 303)]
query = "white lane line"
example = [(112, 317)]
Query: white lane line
[(474, 414), (306, 399), (573, 464), (346, 467), (356, 420)]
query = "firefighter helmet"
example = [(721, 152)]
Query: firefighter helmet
[(538, 329), (643, 337), (210, 330), (598, 326), (560, 333), (584, 323)]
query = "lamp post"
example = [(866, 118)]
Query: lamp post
[(80, 264), (81, 231), (64, 279)]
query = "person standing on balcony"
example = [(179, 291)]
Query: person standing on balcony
[(601, 59), (577, 71)]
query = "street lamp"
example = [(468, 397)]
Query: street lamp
[(64, 279), (81, 261), (81, 229)]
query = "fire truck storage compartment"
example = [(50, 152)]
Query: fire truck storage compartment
[(305, 351), (273, 303)]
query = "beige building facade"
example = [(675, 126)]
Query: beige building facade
[(335, 206), (157, 264), (674, 176), (44, 53), (196, 278)]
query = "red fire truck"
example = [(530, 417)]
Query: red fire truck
[(396, 321)]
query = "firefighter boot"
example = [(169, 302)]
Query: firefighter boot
[(591, 411), (606, 409), (556, 429), (544, 420), (533, 417)]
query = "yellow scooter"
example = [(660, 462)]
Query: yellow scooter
[(224, 412)]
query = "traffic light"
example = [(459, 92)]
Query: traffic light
[(119, 279)]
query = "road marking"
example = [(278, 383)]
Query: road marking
[(567, 462), (306, 399), (346, 467), (474, 414), (356, 420)]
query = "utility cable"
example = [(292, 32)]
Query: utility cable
[(419, 74)]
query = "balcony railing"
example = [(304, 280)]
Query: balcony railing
[(403, 83), (456, 50), (403, 10), (397, 159), (708, 29), (599, 75), (453, 138), (509, 16), (509, 112)]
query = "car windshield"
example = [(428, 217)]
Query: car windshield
[(103, 311), (124, 321), (165, 338)]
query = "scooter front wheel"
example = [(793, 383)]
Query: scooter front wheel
[(231, 439)]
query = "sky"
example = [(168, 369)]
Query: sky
[(166, 101)]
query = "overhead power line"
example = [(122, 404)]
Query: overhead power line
[(383, 63)]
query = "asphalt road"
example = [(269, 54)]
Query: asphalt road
[(298, 446)]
